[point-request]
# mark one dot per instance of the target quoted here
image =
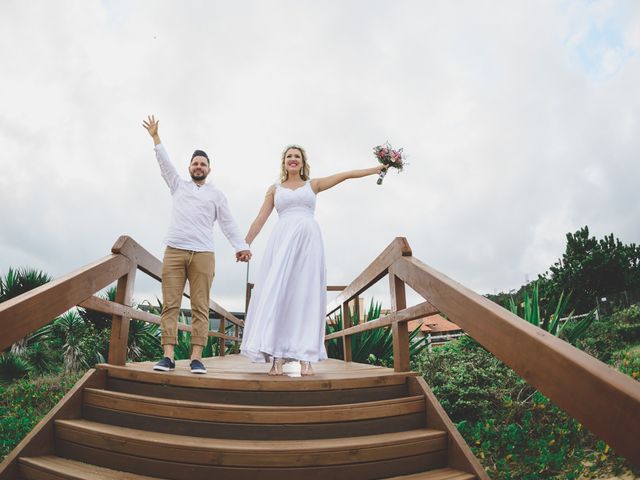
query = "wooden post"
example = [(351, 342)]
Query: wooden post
[(236, 348), (400, 330), (346, 340), (222, 330), (119, 340)]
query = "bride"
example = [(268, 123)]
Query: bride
[(286, 315)]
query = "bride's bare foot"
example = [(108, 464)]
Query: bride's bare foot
[(305, 369), (276, 368)]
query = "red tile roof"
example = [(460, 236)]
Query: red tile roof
[(434, 324)]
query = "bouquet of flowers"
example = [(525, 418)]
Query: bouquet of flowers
[(389, 157)]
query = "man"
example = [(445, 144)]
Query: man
[(189, 255)]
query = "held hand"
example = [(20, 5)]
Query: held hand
[(151, 124), (380, 168), (243, 256)]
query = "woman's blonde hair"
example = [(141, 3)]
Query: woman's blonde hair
[(304, 171)]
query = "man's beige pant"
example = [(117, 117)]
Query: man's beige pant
[(178, 266)]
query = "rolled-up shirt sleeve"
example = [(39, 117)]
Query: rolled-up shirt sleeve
[(228, 225)]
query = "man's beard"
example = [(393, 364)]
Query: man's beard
[(198, 178)]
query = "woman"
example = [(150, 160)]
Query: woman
[(286, 316)]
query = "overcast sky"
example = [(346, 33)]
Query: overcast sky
[(520, 119)]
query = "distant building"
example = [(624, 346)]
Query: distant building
[(436, 328)]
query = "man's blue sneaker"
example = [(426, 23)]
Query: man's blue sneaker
[(197, 366), (165, 365)]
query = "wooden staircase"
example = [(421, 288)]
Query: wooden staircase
[(349, 421)]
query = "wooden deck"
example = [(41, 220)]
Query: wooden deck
[(242, 368), (237, 372)]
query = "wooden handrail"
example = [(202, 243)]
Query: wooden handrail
[(421, 310), (374, 272), (28, 312), (34, 309), (101, 305), (604, 400)]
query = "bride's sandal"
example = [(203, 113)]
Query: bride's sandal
[(276, 368), (305, 369)]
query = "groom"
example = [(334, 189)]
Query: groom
[(189, 255)]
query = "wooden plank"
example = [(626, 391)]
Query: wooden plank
[(119, 338), (254, 431), (248, 397), (438, 474), (400, 330), (399, 247), (105, 306), (52, 467), (346, 340), (259, 453), (40, 441), (421, 310), (459, 455), (212, 412), (164, 469), (144, 260), (568, 376), (335, 288), (31, 310), (260, 382)]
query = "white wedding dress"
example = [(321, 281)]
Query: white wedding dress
[(286, 314)]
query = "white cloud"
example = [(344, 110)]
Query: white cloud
[(511, 142)]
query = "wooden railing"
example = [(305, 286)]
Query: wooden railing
[(604, 400), (26, 313)]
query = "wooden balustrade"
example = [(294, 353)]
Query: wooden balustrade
[(601, 398), (604, 400), (32, 310)]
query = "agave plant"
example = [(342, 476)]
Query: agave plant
[(371, 346), (530, 311)]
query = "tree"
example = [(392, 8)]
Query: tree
[(591, 268)]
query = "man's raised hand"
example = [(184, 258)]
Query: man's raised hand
[(151, 124)]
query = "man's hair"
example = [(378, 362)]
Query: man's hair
[(201, 153)]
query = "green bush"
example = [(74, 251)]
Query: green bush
[(25, 402), (612, 334), (468, 381), (628, 362), (516, 432)]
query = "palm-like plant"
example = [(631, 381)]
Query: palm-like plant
[(530, 312), (12, 367), (72, 329), (371, 346), (15, 363), (144, 341), (21, 280)]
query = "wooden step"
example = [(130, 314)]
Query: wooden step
[(251, 421), (200, 393), (438, 474), (225, 452), (217, 412), (260, 382), (56, 468)]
